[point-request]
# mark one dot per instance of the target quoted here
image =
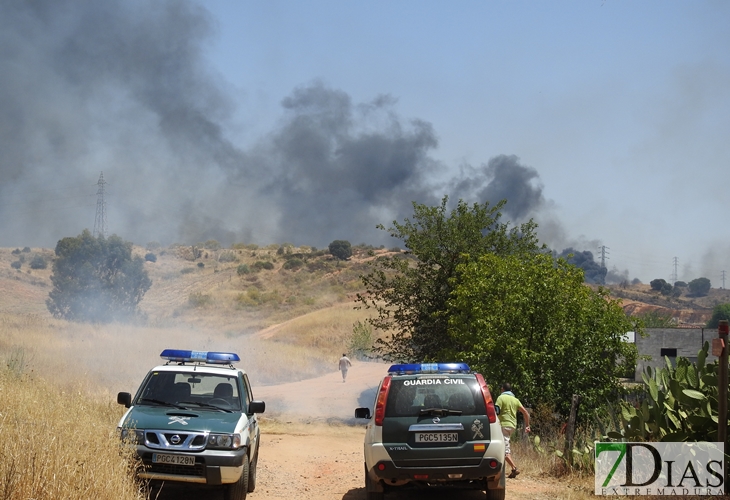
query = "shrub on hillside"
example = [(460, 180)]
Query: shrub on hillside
[(699, 287), (16, 251), (340, 249), (211, 245), (228, 256), (26, 249), (38, 262), (293, 264), (199, 299), (720, 311), (657, 284), (243, 269), (261, 264), (150, 257), (16, 265)]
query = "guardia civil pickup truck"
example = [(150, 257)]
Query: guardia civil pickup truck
[(193, 420), (434, 425)]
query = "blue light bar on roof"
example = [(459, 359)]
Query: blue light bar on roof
[(409, 368), (210, 357)]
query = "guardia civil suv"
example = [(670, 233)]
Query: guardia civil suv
[(434, 425), (193, 420)]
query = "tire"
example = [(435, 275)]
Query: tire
[(371, 488), (239, 489), (252, 470), (498, 494)]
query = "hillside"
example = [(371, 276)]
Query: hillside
[(202, 288)]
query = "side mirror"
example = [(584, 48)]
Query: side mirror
[(124, 398), (256, 407), (362, 413)]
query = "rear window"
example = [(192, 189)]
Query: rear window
[(407, 397)]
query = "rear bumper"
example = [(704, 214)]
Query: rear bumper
[(488, 469)]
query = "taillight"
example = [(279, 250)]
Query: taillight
[(380, 402), (491, 413)]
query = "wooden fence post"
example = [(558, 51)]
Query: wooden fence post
[(570, 429)]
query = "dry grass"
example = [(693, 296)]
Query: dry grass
[(59, 444)]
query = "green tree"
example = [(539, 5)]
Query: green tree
[(699, 287), (409, 290), (529, 320), (341, 249), (96, 279), (720, 311), (657, 284)]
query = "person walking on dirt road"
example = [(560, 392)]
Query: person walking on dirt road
[(509, 405), (345, 365)]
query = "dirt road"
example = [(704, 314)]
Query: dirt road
[(312, 447)]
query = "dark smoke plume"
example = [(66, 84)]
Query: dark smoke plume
[(123, 87)]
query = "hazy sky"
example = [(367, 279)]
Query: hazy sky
[(303, 122)]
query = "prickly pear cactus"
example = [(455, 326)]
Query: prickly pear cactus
[(680, 403)]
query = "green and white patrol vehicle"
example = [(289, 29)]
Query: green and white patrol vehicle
[(193, 420), (434, 425)]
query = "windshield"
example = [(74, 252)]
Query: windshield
[(185, 389), (409, 397)]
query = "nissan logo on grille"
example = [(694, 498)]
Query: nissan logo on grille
[(175, 439)]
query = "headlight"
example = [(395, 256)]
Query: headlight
[(131, 436), (224, 441)]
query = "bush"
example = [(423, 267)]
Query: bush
[(361, 340), (657, 284), (293, 264), (26, 249), (243, 269), (16, 251), (260, 264), (212, 245), (16, 264), (38, 262), (150, 257), (720, 311), (680, 284), (198, 299), (228, 256), (699, 287), (201, 265), (341, 249)]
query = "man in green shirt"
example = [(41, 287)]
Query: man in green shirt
[(509, 405)]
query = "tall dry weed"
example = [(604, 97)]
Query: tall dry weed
[(59, 445)]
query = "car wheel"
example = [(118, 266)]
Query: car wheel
[(500, 491), (252, 471), (239, 489), (371, 488)]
